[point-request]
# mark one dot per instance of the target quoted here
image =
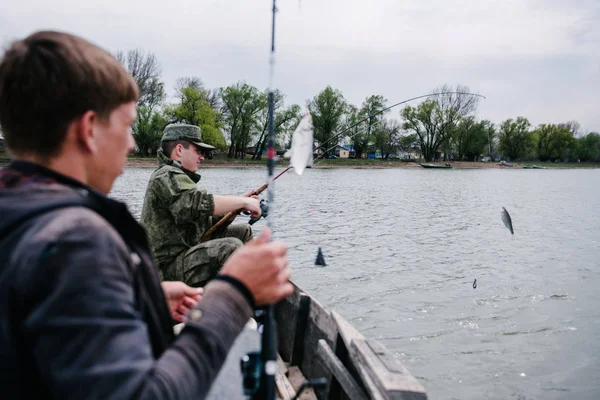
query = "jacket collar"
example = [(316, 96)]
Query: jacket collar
[(164, 160)]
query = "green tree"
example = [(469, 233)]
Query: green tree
[(242, 105), (285, 130), (491, 137), (470, 138), (282, 116), (554, 142), (434, 120), (408, 143), (515, 139), (210, 95), (327, 110), (145, 70), (358, 135), (147, 130), (588, 147), (371, 112), (387, 137), (193, 109)]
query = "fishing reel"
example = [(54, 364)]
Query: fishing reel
[(252, 365), (264, 209)]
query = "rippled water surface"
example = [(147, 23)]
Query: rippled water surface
[(404, 246)]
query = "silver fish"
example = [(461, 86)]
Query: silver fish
[(507, 220), (301, 153)]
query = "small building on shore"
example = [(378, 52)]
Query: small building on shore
[(341, 152)]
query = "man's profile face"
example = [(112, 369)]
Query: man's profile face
[(191, 157), (115, 141)]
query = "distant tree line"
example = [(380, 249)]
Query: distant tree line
[(234, 119)]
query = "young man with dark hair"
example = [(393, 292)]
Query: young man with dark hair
[(83, 313)]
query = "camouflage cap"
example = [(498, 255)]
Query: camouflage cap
[(191, 133)]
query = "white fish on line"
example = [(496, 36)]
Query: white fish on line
[(301, 153)]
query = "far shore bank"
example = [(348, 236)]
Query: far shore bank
[(151, 162), (133, 162)]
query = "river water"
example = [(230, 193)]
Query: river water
[(403, 247)]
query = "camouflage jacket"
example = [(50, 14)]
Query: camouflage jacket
[(176, 212)]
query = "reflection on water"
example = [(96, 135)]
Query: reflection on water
[(403, 248)]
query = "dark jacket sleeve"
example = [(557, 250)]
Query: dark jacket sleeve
[(89, 341)]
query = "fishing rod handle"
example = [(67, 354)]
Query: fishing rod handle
[(230, 216)]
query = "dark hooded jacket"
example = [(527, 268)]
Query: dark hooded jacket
[(82, 311)]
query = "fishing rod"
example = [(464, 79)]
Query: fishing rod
[(232, 214), (268, 352)]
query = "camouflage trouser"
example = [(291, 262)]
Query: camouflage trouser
[(203, 262)]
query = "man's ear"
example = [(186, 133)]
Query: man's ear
[(176, 154), (85, 131)]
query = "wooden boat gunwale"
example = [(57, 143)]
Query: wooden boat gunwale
[(305, 327)]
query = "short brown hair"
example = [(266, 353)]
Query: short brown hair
[(169, 146), (49, 79)]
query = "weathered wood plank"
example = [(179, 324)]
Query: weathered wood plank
[(303, 323), (319, 325), (385, 373), (347, 382), (346, 331), (284, 387), (300, 331), (282, 365), (286, 314), (296, 378), (374, 393), (388, 375)]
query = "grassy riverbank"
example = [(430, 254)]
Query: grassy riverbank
[(150, 162), (224, 162)]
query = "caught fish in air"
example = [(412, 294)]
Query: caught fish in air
[(301, 153), (507, 220)]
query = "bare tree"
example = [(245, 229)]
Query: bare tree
[(434, 120), (188, 82), (455, 104), (210, 95), (144, 68), (573, 126)]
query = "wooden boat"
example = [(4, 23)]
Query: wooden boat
[(314, 343), (436, 166), (534, 167)]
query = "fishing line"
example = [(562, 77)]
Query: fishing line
[(392, 106)]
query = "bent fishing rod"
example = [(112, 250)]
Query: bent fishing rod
[(368, 117), (232, 214)]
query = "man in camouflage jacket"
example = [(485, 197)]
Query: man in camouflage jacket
[(176, 212)]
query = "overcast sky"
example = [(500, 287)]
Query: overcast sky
[(534, 58)]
